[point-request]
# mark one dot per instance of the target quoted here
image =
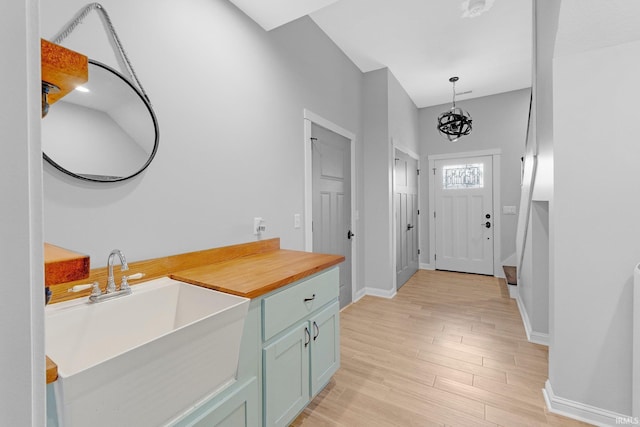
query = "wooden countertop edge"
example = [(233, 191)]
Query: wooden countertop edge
[(52, 371), (269, 287)]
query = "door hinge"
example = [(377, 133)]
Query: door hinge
[(434, 214), (435, 257), (434, 171), (418, 251), (418, 211), (418, 170)]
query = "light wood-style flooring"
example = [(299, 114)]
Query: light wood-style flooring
[(448, 350)]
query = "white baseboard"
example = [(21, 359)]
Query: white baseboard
[(532, 336), (374, 292), (425, 266), (583, 412), (360, 294), (382, 293), (513, 291)]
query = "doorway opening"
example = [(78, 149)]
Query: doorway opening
[(406, 210), (329, 209)]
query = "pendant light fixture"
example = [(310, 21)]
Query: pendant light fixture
[(456, 122)]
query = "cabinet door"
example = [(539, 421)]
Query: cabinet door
[(325, 346), (286, 376)]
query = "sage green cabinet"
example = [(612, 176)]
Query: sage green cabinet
[(325, 347), (239, 409), (299, 363), (286, 376)]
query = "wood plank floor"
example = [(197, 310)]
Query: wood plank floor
[(448, 350)]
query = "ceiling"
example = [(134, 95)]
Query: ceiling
[(422, 42)]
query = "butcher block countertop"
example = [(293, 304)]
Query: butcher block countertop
[(248, 270), (254, 275)]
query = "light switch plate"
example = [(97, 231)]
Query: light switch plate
[(508, 210)]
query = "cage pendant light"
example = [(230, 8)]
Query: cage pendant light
[(456, 122)]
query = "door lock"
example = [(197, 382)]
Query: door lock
[(487, 216)]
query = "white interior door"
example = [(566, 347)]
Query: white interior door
[(464, 214), (406, 216), (331, 188)]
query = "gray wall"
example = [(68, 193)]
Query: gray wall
[(499, 121), (389, 117), (596, 225), (229, 98)]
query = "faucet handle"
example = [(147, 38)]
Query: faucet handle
[(124, 284), (95, 289)]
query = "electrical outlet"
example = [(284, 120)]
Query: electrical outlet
[(258, 225), (296, 221)]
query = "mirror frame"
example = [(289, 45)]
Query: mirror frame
[(153, 118)]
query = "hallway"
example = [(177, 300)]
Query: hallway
[(449, 349)]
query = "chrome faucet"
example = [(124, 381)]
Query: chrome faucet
[(110, 291), (111, 284)]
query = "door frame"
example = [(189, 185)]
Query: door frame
[(496, 154), (310, 118), (395, 145)]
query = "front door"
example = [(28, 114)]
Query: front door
[(331, 187), (406, 216), (464, 214)]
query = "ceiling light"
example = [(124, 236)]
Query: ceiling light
[(82, 89), (456, 122), (473, 8)]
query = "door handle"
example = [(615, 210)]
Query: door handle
[(316, 331), (487, 224), (409, 227), (307, 336), (350, 234)]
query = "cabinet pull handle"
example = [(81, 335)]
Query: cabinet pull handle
[(316, 330), (310, 299), (307, 337)]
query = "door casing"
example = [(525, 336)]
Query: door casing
[(310, 118), (497, 223)]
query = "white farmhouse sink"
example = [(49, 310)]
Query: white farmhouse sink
[(145, 358)]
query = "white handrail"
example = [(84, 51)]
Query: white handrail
[(534, 169)]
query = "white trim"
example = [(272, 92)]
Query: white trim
[(477, 153), (425, 266), (532, 336), (635, 381), (309, 118), (381, 293), (513, 291), (360, 294), (394, 255), (497, 221), (580, 411)]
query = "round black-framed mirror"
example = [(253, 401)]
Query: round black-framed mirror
[(104, 131)]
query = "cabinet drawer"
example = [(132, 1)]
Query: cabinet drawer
[(289, 306)]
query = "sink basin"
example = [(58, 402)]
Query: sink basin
[(145, 358)]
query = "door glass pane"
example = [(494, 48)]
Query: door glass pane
[(463, 176)]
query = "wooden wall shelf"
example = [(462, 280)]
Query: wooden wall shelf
[(62, 67), (62, 265)]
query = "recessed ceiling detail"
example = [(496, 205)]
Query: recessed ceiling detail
[(274, 13)]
